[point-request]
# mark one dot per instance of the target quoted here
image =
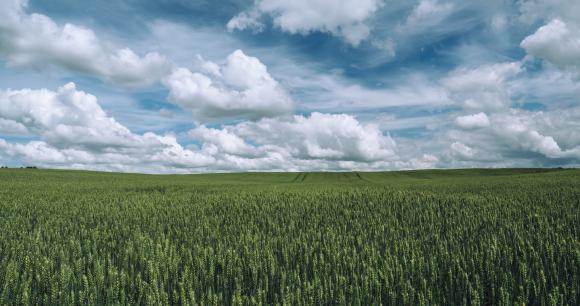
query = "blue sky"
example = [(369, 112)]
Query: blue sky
[(185, 86)]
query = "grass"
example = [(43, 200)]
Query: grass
[(436, 237)]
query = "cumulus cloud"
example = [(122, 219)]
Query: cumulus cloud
[(479, 120), (509, 134), (502, 131), (68, 128), (557, 42), (490, 114), (319, 142), (322, 136), (426, 161), (223, 141), (167, 158), (12, 127), (240, 88), (66, 116), (347, 19), (75, 131), (519, 129), (462, 151), (36, 41)]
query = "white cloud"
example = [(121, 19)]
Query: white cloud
[(38, 151), (322, 136), (425, 15), (484, 87), (347, 19), (534, 10), (246, 20), (518, 129), (69, 129), (558, 43), (479, 120), (485, 77), (387, 45), (240, 88), (317, 142), (502, 133), (169, 158), (334, 93), (512, 133), (76, 132), (462, 151), (427, 161), (224, 141), (36, 41), (499, 22), (12, 127), (563, 125), (65, 116)]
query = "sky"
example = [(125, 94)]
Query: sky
[(191, 86)]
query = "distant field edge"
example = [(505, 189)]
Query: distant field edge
[(300, 176)]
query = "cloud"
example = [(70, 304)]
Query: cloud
[(169, 158), (315, 142), (66, 116), (75, 131), (68, 128), (518, 129), (347, 19), (35, 40), (462, 151), (483, 87), (245, 21), (240, 88), (499, 22), (426, 14), (485, 77), (556, 42), (223, 141), (541, 10), (503, 133), (335, 93), (485, 112), (511, 134), (479, 120), (12, 127), (426, 161), (319, 141), (322, 136)]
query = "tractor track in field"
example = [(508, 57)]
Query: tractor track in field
[(297, 178), (303, 176), (361, 178)]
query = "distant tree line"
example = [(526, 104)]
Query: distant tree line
[(27, 167)]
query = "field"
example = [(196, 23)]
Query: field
[(461, 237)]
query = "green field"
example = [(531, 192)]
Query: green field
[(460, 237)]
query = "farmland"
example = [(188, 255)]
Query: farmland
[(458, 237)]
